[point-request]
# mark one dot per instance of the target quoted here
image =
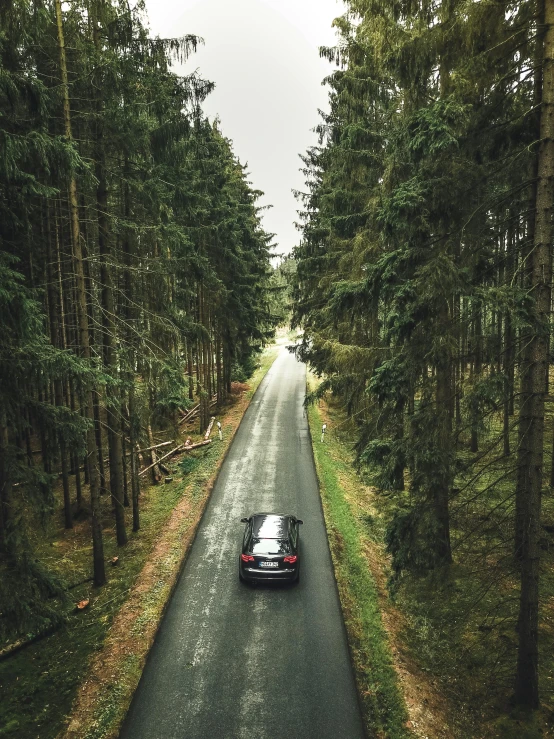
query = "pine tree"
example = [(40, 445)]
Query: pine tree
[(131, 252)]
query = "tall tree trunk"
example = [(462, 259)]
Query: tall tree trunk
[(534, 385), (6, 512), (218, 368), (526, 359), (133, 438), (190, 369), (99, 443), (82, 318), (130, 313), (75, 458), (57, 337), (108, 307), (477, 369), (509, 338), (443, 482)]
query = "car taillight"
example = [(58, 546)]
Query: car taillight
[(291, 559), (247, 557)]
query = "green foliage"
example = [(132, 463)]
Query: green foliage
[(176, 262), (244, 367), (279, 291), (31, 596), (189, 463), (399, 251), (407, 539), (413, 287), (169, 390)]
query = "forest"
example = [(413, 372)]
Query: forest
[(424, 291), (138, 287), (134, 276)]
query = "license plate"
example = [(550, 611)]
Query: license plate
[(269, 564)]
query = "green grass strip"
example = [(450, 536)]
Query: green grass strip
[(384, 710)]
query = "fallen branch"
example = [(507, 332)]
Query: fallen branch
[(12, 649)]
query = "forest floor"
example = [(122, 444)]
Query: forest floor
[(39, 683), (451, 635)]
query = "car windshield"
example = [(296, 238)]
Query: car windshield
[(270, 546)]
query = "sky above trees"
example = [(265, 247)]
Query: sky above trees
[(263, 57)]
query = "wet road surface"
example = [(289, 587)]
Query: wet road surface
[(232, 661)]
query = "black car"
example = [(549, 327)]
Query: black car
[(270, 548)]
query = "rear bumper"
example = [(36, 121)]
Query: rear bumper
[(254, 574)]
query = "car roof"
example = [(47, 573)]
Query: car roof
[(271, 525)]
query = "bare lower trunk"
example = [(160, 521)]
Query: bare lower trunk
[(82, 318), (443, 483), (534, 386), (6, 513), (135, 489)]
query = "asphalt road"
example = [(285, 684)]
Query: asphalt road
[(232, 661)]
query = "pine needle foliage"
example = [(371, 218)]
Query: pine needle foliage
[(415, 282), (134, 272)]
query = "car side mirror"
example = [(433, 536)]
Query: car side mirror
[(299, 520), (244, 520)]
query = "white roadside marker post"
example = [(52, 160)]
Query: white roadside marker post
[(219, 431), (323, 430)]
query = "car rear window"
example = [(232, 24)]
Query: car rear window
[(270, 527), (270, 546)]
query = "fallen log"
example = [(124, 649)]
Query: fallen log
[(188, 447), (156, 463), (189, 414), (156, 446), (147, 449), (22, 643), (194, 411)]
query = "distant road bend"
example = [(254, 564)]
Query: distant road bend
[(235, 662)]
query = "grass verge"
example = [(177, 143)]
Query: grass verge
[(79, 681), (384, 711)]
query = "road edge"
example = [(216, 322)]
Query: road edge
[(106, 692)]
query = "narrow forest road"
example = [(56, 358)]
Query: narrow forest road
[(236, 662)]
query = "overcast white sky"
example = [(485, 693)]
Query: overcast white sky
[(263, 57)]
